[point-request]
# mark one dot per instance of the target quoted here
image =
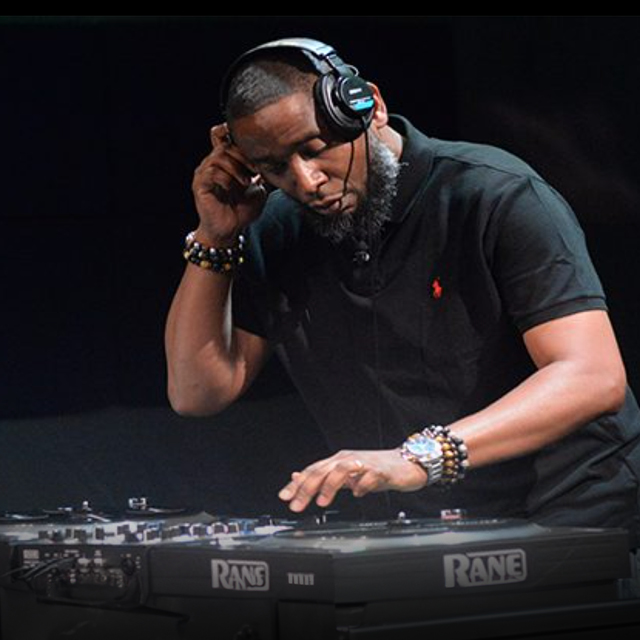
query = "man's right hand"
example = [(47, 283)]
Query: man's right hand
[(228, 194)]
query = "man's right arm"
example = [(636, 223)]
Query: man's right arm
[(209, 362)]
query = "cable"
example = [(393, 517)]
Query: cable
[(374, 280), (133, 595), (42, 568), (349, 169)]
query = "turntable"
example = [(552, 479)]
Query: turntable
[(84, 513), (165, 573)]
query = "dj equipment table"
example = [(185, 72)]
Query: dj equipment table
[(160, 574)]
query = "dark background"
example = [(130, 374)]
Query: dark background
[(103, 120)]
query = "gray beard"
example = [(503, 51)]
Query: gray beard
[(375, 206)]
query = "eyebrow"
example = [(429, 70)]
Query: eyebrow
[(267, 159)]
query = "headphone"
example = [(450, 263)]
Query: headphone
[(343, 97)]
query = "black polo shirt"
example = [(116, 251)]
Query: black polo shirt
[(479, 249)]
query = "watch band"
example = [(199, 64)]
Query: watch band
[(442, 454), (426, 451)]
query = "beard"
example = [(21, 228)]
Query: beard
[(374, 208)]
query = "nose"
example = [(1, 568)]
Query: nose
[(307, 178)]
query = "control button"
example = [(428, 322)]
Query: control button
[(128, 566)]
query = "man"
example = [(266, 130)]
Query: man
[(406, 283)]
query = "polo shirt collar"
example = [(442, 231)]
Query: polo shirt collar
[(415, 160)]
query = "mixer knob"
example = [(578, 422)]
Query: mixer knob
[(249, 525), (83, 565), (326, 516), (200, 530), (151, 534), (128, 566), (82, 535), (266, 520), (130, 536), (168, 533)]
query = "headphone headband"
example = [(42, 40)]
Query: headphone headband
[(344, 98)]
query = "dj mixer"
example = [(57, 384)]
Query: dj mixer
[(159, 573)]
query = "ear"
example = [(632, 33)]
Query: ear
[(380, 114)]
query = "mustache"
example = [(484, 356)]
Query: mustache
[(374, 207)]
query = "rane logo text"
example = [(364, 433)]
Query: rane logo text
[(484, 568), (240, 575)]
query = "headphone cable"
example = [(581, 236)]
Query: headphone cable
[(374, 283)]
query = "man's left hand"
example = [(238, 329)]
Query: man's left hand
[(360, 471)]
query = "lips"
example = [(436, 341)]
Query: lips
[(330, 205)]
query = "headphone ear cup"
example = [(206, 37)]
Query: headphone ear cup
[(346, 102)]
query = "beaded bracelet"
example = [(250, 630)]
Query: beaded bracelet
[(454, 452), (221, 260)]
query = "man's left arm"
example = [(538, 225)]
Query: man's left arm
[(580, 375)]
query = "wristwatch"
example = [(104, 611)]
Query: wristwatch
[(427, 452)]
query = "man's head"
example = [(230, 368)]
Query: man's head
[(276, 69), (260, 82), (275, 102)]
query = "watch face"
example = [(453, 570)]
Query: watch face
[(424, 447)]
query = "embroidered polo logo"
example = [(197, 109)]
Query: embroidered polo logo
[(436, 289)]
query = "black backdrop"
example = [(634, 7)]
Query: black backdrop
[(104, 119)]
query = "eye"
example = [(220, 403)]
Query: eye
[(310, 152)]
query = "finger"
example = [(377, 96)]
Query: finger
[(219, 135), (301, 490), (344, 472), (234, 151), (287, 492), (303, 495), (359, 470), (225, 161), (214, 180), (221, 140), (369, 482), (218, 178), (305, 484)]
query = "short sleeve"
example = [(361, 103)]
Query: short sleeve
[(268, 254), (541, 262), (249, 311)]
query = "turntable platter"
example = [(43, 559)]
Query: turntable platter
[(400, 527), (22, 518)]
